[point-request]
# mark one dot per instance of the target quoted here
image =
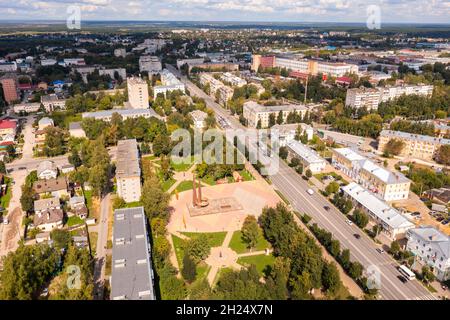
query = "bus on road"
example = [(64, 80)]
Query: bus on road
[(406, 272)]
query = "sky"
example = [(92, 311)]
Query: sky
[(391, 11)]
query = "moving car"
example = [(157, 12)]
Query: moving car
[(357, 236), (379, 250), (349, 222), (5, 221), (310, 191), (327, 208)]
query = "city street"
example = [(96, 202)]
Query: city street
[(295, 189)]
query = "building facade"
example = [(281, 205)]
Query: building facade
[(128, 171), (415, 145), (308, 157), (253, 112), (388, 185), (9, 89), (431, 247), (137, 93)]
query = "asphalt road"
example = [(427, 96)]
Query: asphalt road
[(295, 189)]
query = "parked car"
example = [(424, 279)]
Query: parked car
[(357, 236), (445, 222), (5, 221), (349, 222), (310, 191), (327, 208), (379, 250)]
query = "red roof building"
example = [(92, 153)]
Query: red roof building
[(7, 127)]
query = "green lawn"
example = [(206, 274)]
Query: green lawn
[(165, 185), (133, 204), (202, 268), (93, 236), (88, 197), (239, 246), (261, 262), (7, 197), (178, 244), (180, 167), (209, 180), (246, 175), (215, 239), (152, 157), (74, 220), (184, 186)]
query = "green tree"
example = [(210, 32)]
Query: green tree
[(427, 275), (119, 203), (301, 286), (61, 238), (308, 173), (27, 198), (283, 153), (154, 200), (188, 271), (393, 147), (250, 231), (272, 120), (26, 270), (171, 287), (361, 219), (2, 167), (443, 155), (333, 187), (330, 278), (394, 248), (355, 270), (280, 119), (75, 159), (198, 248)]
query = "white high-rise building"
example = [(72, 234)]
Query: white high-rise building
[(137, 93)]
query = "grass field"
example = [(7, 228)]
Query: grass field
[(178, 244), (239, 246), (7, 197), (165, 185), (184, 186), (262, 262), (180, 167), (93, 236), (215, 239), (74, 220)]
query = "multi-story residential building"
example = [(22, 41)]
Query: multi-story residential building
[(128, 171), (233, 80), (151, 64), (73, 62), (214, 84), (225, 93), (120, 52), (371, 98), (137, 93), (416, 146), (287, 132), (307, 66), (9, 89), (431, 247), (6, 66), (27, 107), (198, 117), (308, 157), (169, 83), (363, 97), (393, 224), (121, 72), (52, 102), (182, 62), (76, 130), (388, 185), (254, 112), (106, 115), (132, 273)]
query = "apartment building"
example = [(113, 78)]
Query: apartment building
[(287, 132), (416, 146), (151, 64), (308, 157), (8, 128), (233, 80), (217, 88), (392, 223), (137, 93), (431, 247), (254, 112), (128, 171), (9, 89), (52, 102), (388, 185), (198, 117), (106, 115), (121, 72), (132, 273), (363, 97), (6, 66), (169, 83), (307, 66), (27, 107), (372, 97)]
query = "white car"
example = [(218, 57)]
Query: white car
[(349, 222), (310, 191), (5, 221)]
